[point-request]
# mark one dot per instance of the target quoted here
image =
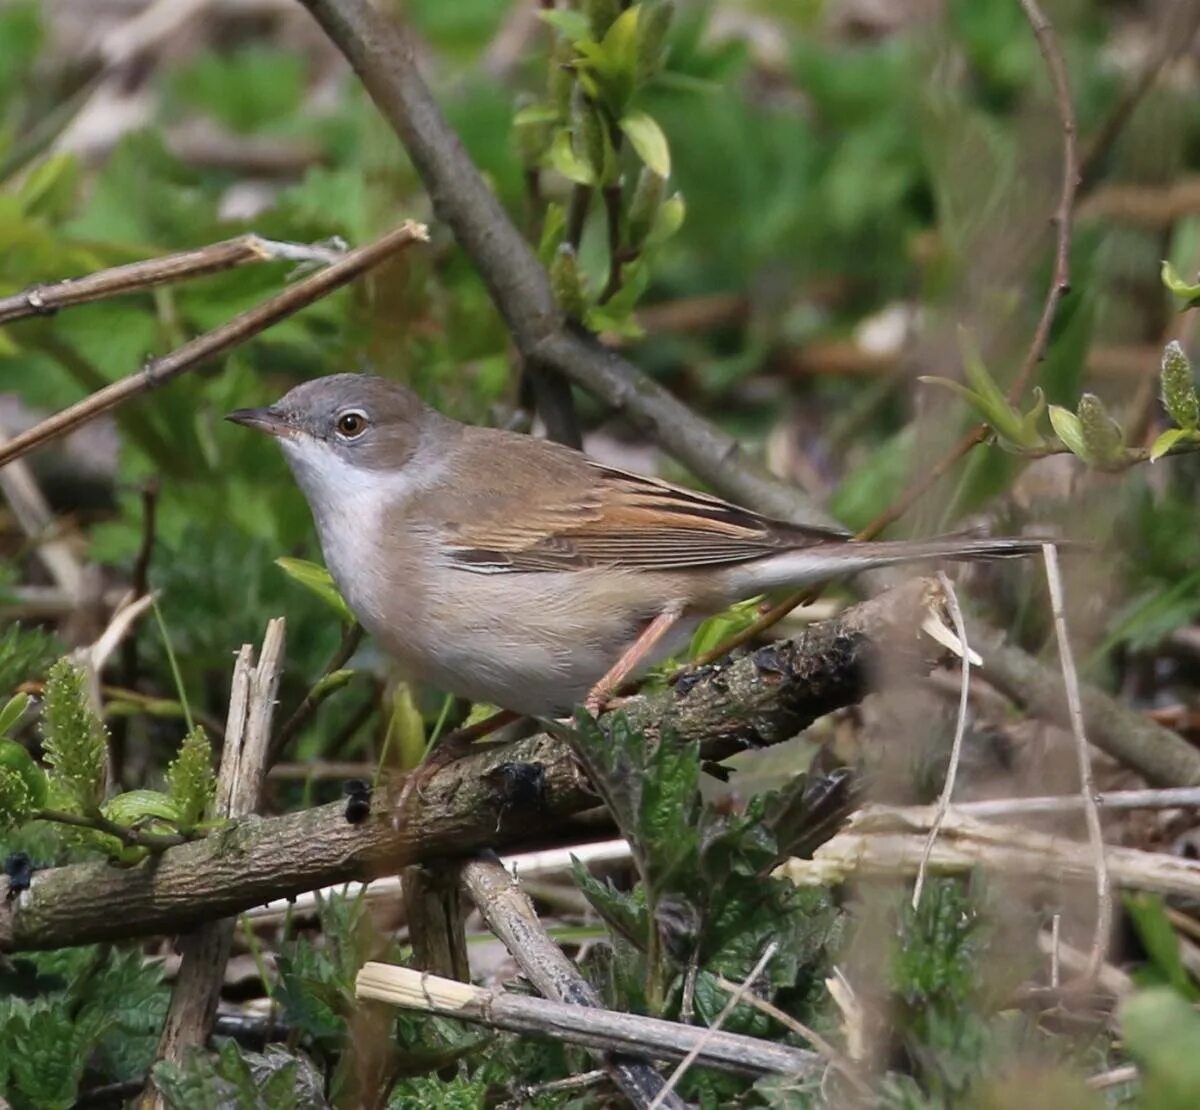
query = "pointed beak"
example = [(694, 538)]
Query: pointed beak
[(269, 420)]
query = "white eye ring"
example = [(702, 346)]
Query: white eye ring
[(351, 424)]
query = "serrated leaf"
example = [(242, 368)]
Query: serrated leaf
[(649, 140), (1165, 441), (1180, 288), (316, 578)]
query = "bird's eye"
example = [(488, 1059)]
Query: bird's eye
[(350, 425)]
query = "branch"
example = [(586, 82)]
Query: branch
[(205, 952), (158, 371), (510, 915), (762, 699), (609, 1030), (136, 277), (382, 56)]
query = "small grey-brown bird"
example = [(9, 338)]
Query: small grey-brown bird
[(524, 574)]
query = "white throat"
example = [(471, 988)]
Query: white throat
[(349, 504)]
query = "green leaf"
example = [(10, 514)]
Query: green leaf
[(314, 577), (74, 740), (668, 220), (190, 778), (13, 711), (1166, 440), (562, 157), (1067, 427), (1162, 1033), (648, 139), (1157, 934), (572, 25), (567, 283), (1176, 284), (536, 113)]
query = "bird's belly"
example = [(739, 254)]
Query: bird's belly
[(532, 643)]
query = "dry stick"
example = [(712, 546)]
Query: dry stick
[(36, 519), (1178, 797), (608, 1030), (1087, 788), (243, 769), (511, 916), (136, 277), (1060, 284), (960, 728), (714, 1029), (158, 371)]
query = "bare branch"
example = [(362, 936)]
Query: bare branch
[(1087, 789), (158, 371), (137, 277), (243, 769), (764, 698), (610, 1030), (510, 915)]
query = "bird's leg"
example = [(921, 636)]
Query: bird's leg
[(632, 658)]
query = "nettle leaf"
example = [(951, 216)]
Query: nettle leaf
[(25, 653), (1180, 288), (49, 1053), (648, 139), (314, 577), (624, 913), (74, 740)]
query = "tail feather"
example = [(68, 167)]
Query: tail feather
[(821, 562)]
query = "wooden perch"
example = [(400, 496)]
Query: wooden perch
[(763, 698), (632, 1034), (511, 916), (205, 951)]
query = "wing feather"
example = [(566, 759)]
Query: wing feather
[(610, 517)]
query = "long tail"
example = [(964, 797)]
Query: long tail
[(820, 562)]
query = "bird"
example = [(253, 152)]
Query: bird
[(520, 573)]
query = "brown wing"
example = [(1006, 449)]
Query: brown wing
[(602, 516)]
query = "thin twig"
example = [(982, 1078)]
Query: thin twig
[(1087, 788), (510, 915), (608, 1030), (960, 729), (708, 1034), (136, 277), (1060, 284), (1114, 1077), (204, 347), (131, 838)]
